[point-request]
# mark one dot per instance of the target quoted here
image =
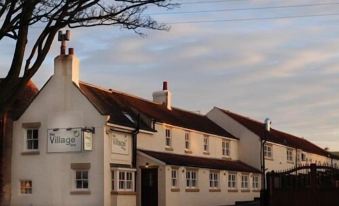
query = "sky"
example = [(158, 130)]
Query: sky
[(276, 59)]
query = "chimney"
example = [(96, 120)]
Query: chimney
[(66, 66), (163, 97)]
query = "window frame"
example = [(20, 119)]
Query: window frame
[(244, 182), (289, 154), (190, 180), (232, 183), (226, 150), (268, 151), (206, 143), (256, 183), (75, 180), (175, 178), (168, 137), (26, 190), (214, 179), (117, 181), (187, 140), (32, 139)]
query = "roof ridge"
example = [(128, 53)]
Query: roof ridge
[(276, 130), (119, 92), (138, 97)]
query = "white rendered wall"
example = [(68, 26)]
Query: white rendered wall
[(156, 142), (249, 143), (59, 105)]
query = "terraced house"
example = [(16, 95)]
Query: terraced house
[(78, 144), (281, 151)]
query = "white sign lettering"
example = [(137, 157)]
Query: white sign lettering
[(120, 143), (64, 140)]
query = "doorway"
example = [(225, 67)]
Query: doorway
[(149, 187)]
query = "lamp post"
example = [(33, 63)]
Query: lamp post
[(263, 193)]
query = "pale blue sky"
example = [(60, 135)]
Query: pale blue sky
[(286, 69)]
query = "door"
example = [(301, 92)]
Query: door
[(149, 187)]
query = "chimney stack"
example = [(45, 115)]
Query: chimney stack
[(163, 97), (66, 66)]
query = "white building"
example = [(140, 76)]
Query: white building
[(77, 144), (282, 151)]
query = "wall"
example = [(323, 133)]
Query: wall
[(59, 105), (204, 197), (156, 142), (248, 142)]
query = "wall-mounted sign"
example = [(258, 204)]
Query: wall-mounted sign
[(64, 140), (119, 143), (88, 140)]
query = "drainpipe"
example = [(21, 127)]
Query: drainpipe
[(134, 148), (135, 133)]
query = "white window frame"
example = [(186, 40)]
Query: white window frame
[(255, 182), (244, 181), (168, 137), (206, 143), (232, 180), (226, 148), (128, 184), (268, 151), (187, 141), (175, 178), (289, 154), (82, 179), (27, 138), (191, 179), (214, 179), (24, 188)]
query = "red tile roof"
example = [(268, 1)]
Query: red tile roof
[(277, 136), (118, 104), (200, 162), (23, 100)]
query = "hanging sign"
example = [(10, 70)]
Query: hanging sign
[(88, 140), (119, 143), (64, 140)]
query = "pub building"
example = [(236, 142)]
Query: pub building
[(79, 144)]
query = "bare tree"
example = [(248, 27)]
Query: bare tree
[(18, 16)]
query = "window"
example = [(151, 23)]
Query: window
[(81, 179), (32, 139), (168, 138), (26, 186), (214, 180), (174, 178), (289, 155), (226, 148), (191, 179), (232, 180), (303, 157), (255, 182), (123, 180), (187, 141), (205, 143), (268, 151), (244, 181)]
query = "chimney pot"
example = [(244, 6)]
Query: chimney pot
[(164, 86), (70, 51)]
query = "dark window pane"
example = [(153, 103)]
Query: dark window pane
[(85, 184), (35, 144), (78, 184), (78, 175), (85, 175), (35, 134)]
